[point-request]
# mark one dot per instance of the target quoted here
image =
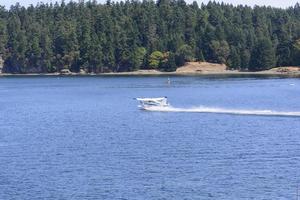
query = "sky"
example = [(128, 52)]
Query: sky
[(274, 3)]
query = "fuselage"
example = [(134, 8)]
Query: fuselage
[(152, 102)]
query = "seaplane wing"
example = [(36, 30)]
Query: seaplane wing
[(151, 102), (151, 99)]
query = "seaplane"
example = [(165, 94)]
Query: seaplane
[(148, 103)]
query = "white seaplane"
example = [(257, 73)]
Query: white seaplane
[(148, 103)]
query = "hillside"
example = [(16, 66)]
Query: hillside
[(134, 35)]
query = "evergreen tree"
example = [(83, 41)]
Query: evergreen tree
[(234, 60), (170, 64), (184, 54), (138, 57), (296, 53), (220, 51), (263, 56)]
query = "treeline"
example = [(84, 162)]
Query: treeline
[(131, 35)]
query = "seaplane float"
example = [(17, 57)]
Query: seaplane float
[(150, 103)]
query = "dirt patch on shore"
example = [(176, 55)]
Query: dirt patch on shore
[(202, 67), (286, 70)]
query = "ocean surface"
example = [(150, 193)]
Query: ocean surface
[(79, 138)]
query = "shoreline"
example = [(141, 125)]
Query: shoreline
[(189, 69), (158, 73), (229, 73)]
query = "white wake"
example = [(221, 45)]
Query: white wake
[(203, 109)]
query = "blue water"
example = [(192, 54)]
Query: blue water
[(85, 138)]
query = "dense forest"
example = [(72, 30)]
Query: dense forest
[(131, 35)]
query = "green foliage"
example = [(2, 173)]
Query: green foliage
[(186, 53), (296, 52), (263, 56), (245, 59), (234, 60), (155, 59), (220, 50), (170, 64), (130, 35), (284, 54), (138, 57), (200, 56), (3, 36)]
